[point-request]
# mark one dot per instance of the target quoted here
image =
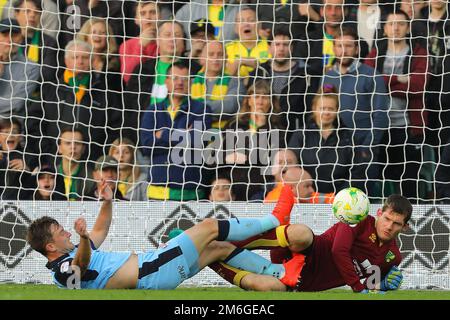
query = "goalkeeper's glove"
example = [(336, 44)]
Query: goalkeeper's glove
[(393, 280), (367, 291)]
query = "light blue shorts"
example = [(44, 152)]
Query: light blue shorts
[(166, 268)]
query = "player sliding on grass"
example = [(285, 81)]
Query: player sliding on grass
[(164, 268), (342, 255)]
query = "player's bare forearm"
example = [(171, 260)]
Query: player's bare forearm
[(104, 218), (83, 256)]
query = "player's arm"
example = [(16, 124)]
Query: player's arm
[(103, 222), (83, 255), (342, 245)]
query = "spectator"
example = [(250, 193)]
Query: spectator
[(323, 147), (363, 106), (283, 160), (303, 187), (73, 173), (105, 170), (317, 48), (147, 85), (287, 78), (132, 183), (221, 189), (438, 88), (46, 188), (418, 27), (443, 176), (15, 175), (213, 86), (49, 22), (249, 139), (175, 173), (368, 17), (220, 13), (82, 100), (74, 13), (302, 183), (294, 15), (98, 33), (201, 33), (134, 51), (37, 46), (245, 53), (403, 63), (17, 78)]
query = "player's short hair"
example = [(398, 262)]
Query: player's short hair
[(400, 205), (8, 123), (349, 32), (247, 7), (70, 129), (281, 30), (180, 64), (398, 11), (39, 235), (76, 43), (18, 3)]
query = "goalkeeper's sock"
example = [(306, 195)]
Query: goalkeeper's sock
[(244, 228), (232, 275), (249, 261), (274, 238)]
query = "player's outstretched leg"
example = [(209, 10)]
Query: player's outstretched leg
[(291, 274), (241, 229), (197, 238), (238, 258), (238, 229), (247, 280)]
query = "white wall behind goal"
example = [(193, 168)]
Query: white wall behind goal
[(141, 226)]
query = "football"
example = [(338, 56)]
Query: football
[(351, 206)]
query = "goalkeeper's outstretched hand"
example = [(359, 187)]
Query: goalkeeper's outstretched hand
[(393, 280)]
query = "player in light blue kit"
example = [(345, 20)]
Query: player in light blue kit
[(83, 266)]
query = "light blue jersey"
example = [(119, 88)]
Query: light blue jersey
[(101, 268), (164, 268)]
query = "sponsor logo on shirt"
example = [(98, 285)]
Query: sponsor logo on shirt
[(389, 256), (65, 267)]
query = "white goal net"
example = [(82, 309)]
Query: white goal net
[(186, 104)]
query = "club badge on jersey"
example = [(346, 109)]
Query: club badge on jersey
[(390, 256)]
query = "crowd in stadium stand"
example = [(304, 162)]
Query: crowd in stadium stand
[(224, 100)]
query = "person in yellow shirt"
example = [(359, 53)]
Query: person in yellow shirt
[(245, 54)]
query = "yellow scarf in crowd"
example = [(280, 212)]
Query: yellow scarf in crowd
[(80, 85), (219, 91), (33, 47)]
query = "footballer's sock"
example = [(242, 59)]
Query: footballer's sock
[(244, 228), (249, 261), (274, 238), (232, 275)]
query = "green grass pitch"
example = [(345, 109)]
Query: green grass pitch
[(50, 292)]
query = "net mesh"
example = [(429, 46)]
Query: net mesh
[(221, 101)]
